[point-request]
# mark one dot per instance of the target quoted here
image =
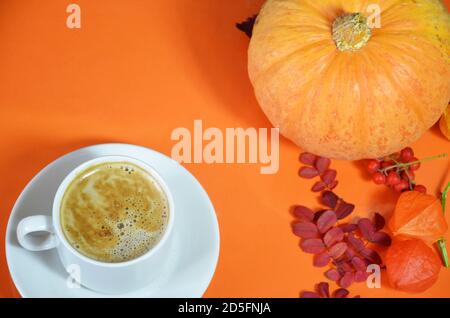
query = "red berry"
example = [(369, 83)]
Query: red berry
[(408, 175), (392, 178), (406, 154), (379, 178), (402, 185), (373, 166), (386, 164), (420, 188), (414, 166)]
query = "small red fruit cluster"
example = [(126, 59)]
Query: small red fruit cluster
[(343, 245), (397, 171)]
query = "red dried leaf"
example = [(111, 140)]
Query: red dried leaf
[(330, 199), (341, 293), (313, 246), (323, 290), (371, 256), (355, 242), (338, 250), (347, 280), (304, 213), (361, 276), (308, 172), (367, 228), (381, 238), (350, 252), (326, 221), (308, 294), (359, 264), (319, 186), (306, 230), (334, 235), (308, 158), (344, 209), (322, 164), (329, 176), (348, 227), (318, 214), (345, 267), (333, 275), (378, 221), (322, 259), (333, 184)]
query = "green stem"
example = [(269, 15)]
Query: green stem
[(407, 164), (441, 242), (444, 197)]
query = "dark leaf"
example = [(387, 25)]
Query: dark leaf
[(345, 267), (306, 230), (329, 176), (334, 235), (323, 289), (341, 293), (318, 186), (333, 184), (361, 276), (322, 259), (378, 221), (308, 158), (381, 238), (308, 172), (326, 221), (322, 164), (367, 228), (333, 275), (309, 294), (350, 252), (347, 280), (348, 227), (355, 242), (359, 264), (318, 214), (372, 256), (247, 25), (344, 209), (329, 199), (313, 246), (338, 250), (304, 213)]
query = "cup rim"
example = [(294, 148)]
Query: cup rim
[(110, 158)]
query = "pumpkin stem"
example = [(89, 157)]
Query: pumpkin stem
[(351, 32)]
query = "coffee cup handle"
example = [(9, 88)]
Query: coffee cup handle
[(33, 224)]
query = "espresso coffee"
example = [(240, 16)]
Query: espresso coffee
[(114, 212)]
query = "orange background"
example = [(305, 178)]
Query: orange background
[(135, 71)]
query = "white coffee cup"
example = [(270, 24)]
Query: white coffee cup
[(103, 277)]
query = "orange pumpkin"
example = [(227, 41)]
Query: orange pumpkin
[(445, 123), (418, 215), (339, 86), (411, 265)]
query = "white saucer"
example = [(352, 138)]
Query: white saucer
[(195, 249)]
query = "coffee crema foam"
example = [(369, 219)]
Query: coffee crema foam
[(114, 212)]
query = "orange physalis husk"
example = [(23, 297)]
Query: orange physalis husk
[(418, 215), (444, 123), (411, 265)]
